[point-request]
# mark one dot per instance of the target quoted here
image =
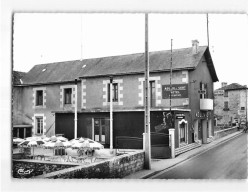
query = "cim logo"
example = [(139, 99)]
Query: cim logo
[(24, 172)]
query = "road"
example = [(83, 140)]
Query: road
[(226, 161)]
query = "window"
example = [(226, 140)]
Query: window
[(114, 92), (39, 125), (67, 95), (203, 87), (226, 106), (242, 108), (225, 93), (152, 93), (39, 98)]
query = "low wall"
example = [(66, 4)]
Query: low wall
[(224, 132), (30, 169), (116, 167)]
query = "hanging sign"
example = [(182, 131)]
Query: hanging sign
[(203, 115), (202, 91), (177, 91), (180, 116)]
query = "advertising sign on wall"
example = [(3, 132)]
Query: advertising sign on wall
[(177, 91)]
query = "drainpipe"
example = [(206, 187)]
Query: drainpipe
[(75, 114), (111, 112)]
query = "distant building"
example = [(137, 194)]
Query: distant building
[(21, 128), (46, 98), (230, 104)]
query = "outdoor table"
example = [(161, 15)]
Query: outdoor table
[(81, 159), (67, 158), (40, 156)]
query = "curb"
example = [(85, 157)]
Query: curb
[(147, 176)]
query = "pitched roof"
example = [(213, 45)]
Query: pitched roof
[(233, 86), (17, 76), (116, 65)]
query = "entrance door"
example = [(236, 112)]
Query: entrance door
[(101, 130), (182, 129)]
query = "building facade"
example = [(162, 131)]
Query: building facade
[(230, 104), (47, 96)]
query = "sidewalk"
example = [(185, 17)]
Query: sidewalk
[(158, 165)]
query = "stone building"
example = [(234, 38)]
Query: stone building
[(48, 94), (230, 104)]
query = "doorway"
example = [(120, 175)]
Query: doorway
[(101, 130)]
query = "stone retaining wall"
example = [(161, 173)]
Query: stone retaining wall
[(224, 132), (30, 169), (116, 167)]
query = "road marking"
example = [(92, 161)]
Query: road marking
[(191, 157)]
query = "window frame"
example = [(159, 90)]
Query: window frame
[(226, 106), (39, 97), (225, 93), (39, 125), (115, 92), (204, 86), (152, 93), (65, 96)]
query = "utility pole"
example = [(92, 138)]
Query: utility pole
[(170, 75), (147, 102), (207, 31), (81, 37)]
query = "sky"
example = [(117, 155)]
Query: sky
[(53, 37)]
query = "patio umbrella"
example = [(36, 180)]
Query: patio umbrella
[(33, 138), (80, 145), (95, 145), (17, 140), (61, 138), (31, 143), (57, 144), (46, 139), (76, 140)]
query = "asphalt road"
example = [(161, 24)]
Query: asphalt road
[(226, 161)]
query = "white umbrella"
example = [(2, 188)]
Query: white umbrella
[(76, 140), (95, 145), (62, 138), (33, 138), (79, 145), (91, 143), (57, 144), (46, 139), (17, 140), (31, 143), (63, 144)]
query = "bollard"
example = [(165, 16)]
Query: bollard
[(172, 138)]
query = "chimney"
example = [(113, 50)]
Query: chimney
[(223, 84), (195, 46)]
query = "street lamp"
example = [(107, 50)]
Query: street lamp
[(111, 111), (75, 111)]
